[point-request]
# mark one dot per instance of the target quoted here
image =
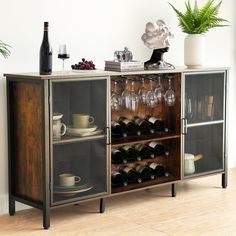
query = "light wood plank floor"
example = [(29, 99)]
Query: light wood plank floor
[(201, 207)]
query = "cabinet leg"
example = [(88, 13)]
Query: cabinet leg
[(12, 207), (173, 190), (102, 205), (46, 218), (224, 180)]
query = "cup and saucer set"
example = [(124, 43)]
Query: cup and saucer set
[(82, 126)]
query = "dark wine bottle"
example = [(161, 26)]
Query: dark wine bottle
[(156, 124), (143, 125), (117, 130), (118, 157), (129, 126), (144, 150), (131, 153), (118, 180), (157, 169), (144, 172), (45, 54), (158, 149), (130, 174)]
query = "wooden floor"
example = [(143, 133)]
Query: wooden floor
[(201, 207)]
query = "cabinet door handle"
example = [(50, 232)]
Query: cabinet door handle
[(108, 135), (185, 126)]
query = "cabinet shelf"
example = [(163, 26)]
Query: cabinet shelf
[(156, 181), (72, 139)]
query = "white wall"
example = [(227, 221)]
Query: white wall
[(94, 30)]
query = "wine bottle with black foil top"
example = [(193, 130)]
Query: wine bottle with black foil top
[(118, 157), (45, 54), (143, 125), (158, 149), (156, 124), (117, 131), (118, 180), (144, 150), (131, 153), (129, 126), (144, 172), (157, 169), (130, 174)]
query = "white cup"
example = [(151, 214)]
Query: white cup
[(81, 120), (58, 129), (67, 180)]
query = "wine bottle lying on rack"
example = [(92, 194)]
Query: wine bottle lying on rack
[(117, 130), (156, 124), (131, 153), (143, 125), (145, 173), (158, 149), (157, 170), (144, 150), (130, 174), (118, 157), (129, 126), (118, 180)]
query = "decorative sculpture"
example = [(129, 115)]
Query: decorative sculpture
[(156, 37)]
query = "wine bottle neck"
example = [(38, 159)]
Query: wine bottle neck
[(45, 34)]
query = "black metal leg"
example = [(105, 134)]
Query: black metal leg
[(224, 179), (12, 207), (173, 190), (46, 218), (102, 205)]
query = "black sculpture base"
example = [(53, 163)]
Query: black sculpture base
[(156, 61)]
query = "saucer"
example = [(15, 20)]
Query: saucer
[(57, 116), (79, 131)]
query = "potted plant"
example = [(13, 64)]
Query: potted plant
[(196, 22), (4, 49)]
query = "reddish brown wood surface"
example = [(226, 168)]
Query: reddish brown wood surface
[(26, 140)]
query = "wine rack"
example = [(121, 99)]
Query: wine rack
[(192, 111)]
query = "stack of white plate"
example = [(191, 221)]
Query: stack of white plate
[(82, 132)]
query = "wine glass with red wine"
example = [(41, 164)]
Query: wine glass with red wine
[(63, 54)]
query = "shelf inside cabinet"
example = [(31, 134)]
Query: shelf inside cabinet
[(67, 139), (157, 181)]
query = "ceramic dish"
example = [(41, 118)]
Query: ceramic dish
[(71, 130), (96, 132)]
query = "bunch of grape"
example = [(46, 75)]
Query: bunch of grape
[(84, 65)]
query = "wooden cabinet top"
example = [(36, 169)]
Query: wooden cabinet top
[(101, 73)]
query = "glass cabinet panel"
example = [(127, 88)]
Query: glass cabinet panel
[(79, 144), (203, 149), (204, 97)]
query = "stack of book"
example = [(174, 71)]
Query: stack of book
[(124, 66)]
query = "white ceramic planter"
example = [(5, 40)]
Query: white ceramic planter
[(194, 50)]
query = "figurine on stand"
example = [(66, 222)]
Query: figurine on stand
[(157, 37)]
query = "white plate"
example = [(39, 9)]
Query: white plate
[(90, 129), (57, 116), (96, 132)]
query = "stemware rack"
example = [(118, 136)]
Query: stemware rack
[(36, 160)]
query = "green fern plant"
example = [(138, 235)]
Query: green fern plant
[(199, 21), (4, 49)]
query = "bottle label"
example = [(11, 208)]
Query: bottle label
[(152, 144), (127, 169), (126, 148), (153, 165), (139, 168), (138, 121), (152, 120), (115, 173), (114, 151), (138, 147), (126, 121), (114, 124)]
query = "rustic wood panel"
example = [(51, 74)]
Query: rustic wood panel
[(26, 140)]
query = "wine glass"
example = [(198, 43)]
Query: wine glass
[(159, 92), (151, 100), (143, 93), (115, 98), (125, 96), (170, 95), (133, 98), (63, 54)]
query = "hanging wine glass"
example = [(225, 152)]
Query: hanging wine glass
[(143, 93), (115, 98), (151, 96), (159, 91), (125, 96), (133, 98), (170, 95)]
